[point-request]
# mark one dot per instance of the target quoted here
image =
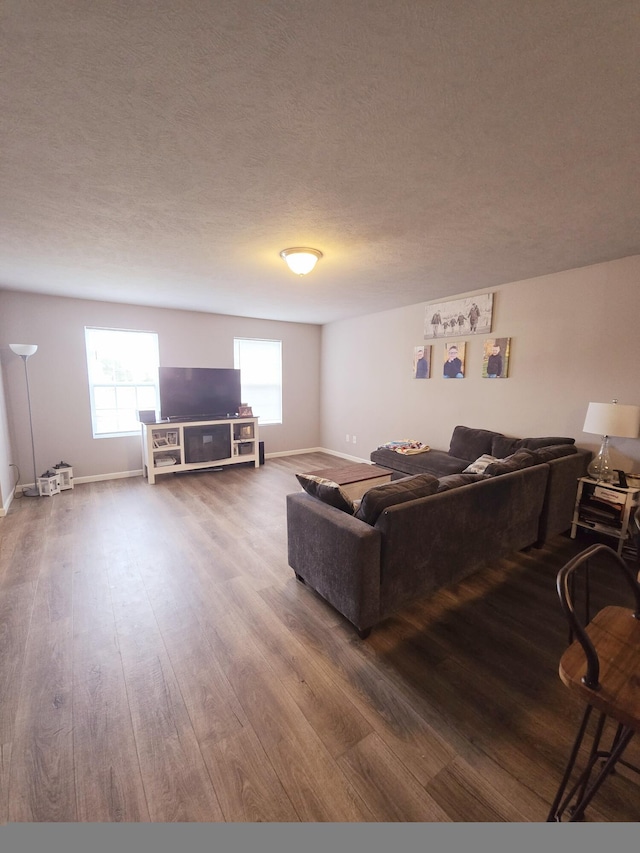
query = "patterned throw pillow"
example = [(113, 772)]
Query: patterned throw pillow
[(327, 491), (379, 498), (478, 467)]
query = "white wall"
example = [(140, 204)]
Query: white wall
[(574, 339), (60, 391)]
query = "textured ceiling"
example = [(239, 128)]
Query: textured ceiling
[(163, 152)]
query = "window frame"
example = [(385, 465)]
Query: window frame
[(136, 384), (237, 345)]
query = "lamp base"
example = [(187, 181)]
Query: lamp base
[(31, 492), (600, 466)]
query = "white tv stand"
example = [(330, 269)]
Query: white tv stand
[(166, 445)]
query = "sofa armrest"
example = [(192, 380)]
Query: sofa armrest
[(337, 555)]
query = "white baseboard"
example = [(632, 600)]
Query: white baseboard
[(316, 450), (119, 475)]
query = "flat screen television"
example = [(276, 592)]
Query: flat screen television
[(199, 393)]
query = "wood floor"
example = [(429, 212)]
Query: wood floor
[(159, 662)]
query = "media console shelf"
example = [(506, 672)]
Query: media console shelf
[(173, 446)]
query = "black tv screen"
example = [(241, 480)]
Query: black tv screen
[(199, 393)]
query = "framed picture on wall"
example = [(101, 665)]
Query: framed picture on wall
[(472, 315), (495, 361), (453, 366), (422, 362)]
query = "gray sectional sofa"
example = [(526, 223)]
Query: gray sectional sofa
[(430, 528)]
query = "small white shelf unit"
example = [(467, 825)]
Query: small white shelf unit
[(172, 446)]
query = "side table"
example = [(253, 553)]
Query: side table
[(604, 508)]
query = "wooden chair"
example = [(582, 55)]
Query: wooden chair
[(602, 668)]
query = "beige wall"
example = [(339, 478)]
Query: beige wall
[(575, 339), (59, 386)]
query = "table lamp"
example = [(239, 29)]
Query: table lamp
[(609, 419)]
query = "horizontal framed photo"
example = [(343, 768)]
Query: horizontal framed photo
[(161, 441), (245, 412), (471, 315)]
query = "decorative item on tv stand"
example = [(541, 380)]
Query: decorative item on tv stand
[(609, 419)]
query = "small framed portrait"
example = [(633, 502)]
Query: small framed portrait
[(172, 437), (245, 411), (495, 361), (160, 441), (453, 366), (421, 362), (246, 431)]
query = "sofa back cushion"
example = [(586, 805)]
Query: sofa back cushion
[(378, 498), (555, 451), (468, 443), (327, 491), (544, 441), (519, 459), (503, 445)]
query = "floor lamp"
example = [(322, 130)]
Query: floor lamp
[(24, 351)]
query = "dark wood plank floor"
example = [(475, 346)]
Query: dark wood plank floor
[(159, 662)]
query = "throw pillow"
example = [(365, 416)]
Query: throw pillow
[(518, 460), (480, 465), (452, 481), (326, 490), (468, 443), (379, 498)]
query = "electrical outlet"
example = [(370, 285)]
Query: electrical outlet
[(354, 439), (347, 436)]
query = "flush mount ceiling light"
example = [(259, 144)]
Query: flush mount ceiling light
[(301, 260)]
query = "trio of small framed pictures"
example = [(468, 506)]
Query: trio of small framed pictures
[(461, 317)]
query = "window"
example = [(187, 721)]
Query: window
[(261, 366), (123, 377)]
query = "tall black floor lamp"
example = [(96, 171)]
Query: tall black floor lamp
[(24, 351)]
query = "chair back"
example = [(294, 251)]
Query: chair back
[(565, 587)]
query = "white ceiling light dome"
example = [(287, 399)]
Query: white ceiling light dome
[(301, 260)]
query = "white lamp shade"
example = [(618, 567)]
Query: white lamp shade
[(612, 419), (301, 260), (24, 349)]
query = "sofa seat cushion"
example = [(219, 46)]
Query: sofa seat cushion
[(377, 499), (469, 444), (327, 491)]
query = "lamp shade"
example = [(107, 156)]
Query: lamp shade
[(24, 349), (301, 260), (612, 419)]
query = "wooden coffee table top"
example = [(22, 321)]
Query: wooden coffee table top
[(354, 473)]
